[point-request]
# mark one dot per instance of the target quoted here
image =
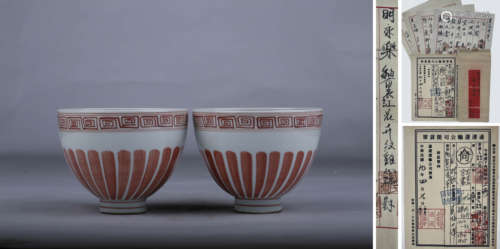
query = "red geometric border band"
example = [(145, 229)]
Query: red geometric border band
[(120, 121), (257, 121)]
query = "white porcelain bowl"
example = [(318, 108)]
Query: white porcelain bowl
[(122, 155), (257, 154)]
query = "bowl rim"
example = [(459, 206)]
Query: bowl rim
[(257, 110), (120, 110)]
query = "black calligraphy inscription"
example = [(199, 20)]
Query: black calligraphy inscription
[(387, 118)]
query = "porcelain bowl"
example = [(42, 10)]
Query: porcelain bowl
[(257, 154), (122, 155)]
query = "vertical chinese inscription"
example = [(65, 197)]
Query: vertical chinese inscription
[(453, 199), (436, 87), (387, 123), (427, 26)]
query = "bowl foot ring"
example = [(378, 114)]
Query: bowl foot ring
[(257, 206), (122, 207)]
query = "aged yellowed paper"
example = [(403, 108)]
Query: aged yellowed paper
[(386, 199), (450, 187), (451, 87), (434, 87), (426, 23), (410, 25), (462, 30)]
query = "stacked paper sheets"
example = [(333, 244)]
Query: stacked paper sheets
[(446, 26)]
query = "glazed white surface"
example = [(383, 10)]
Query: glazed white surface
[(116, 141), (252, 141), (255, 141)]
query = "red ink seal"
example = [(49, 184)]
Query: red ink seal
[(431, 218), (474, 93)]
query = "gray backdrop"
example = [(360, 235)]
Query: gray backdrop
[(257, 53), (186, 53)]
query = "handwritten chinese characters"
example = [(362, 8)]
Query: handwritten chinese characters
[(436, 85), (445, 27), (450, 196), (464, 30), (387, 120)]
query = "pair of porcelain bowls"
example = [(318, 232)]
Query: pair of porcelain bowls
[(124, 155)]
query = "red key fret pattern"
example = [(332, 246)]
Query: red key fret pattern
[(253, 121), (121, 121)]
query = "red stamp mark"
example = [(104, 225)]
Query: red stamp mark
[(431, 218), (474, 93), (450, 108), (388, 181), (479, 220), (479, 237), (424, 103), (480, 176)]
